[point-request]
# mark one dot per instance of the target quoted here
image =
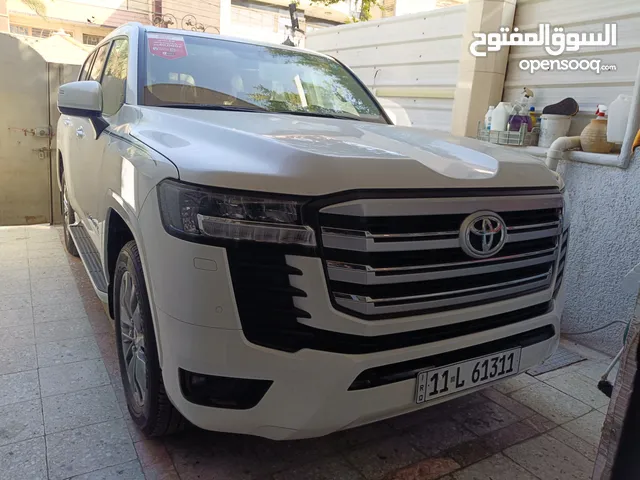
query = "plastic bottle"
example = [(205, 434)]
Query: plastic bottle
[(601, 113), (593, 138), (500, 117), (618, 118), (487, 117), (532, 115)]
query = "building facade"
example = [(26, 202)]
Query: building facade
[(89, 21)]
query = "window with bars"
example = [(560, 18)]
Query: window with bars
[(19, 29), (41, 32), (91, 39)]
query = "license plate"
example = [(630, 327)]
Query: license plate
[(468, 374)]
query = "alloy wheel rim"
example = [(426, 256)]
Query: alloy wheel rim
[(132, 339)]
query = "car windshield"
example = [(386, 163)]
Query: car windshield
[(198, 72)]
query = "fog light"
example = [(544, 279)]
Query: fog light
[(222, 392)]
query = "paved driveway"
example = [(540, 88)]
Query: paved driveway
[(62, 412)]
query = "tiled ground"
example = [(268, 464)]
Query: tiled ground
[(62, 413)]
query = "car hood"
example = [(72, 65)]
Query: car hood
[(314, 156)]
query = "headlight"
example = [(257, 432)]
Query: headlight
[(201, 211)]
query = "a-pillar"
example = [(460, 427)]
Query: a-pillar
[(480, 79)]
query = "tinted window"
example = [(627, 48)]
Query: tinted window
[(114, 79), (85, 68), (182, 70), (101, 56)]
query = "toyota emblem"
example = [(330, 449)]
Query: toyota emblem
[(482, 234)]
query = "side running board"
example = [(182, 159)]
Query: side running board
[(90, 259)]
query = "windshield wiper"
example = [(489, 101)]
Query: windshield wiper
[(304, 113), (204, 106)]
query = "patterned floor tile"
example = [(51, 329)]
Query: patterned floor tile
[(24, 460), (85, 449), (485, 417), (73, 410), (587, 427), (578, 386), (550, 402), (549, 459), (497, 467), (19, 387), (334, 468), (20, 421), (376, 460), (67, 351), (72, 377), (18, 358), (127, 471)]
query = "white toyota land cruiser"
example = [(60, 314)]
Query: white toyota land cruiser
[(279, 259)]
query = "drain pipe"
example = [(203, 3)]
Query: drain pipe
[(558, 147), (632, 125)]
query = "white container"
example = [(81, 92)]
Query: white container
[(553, 127), (618, 115), (500, 117), (487, 118)]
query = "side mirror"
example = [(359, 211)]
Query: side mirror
[(80, 99)]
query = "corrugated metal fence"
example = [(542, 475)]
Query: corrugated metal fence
[(410, 62)]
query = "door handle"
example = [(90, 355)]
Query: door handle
[(80, 132), (67, 122)]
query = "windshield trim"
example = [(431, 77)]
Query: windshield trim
[(142, 71)]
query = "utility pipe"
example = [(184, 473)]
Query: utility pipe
[(633, 123), (558, 147), (562, 144)]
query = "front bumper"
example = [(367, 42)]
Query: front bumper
[(199, 330), (310, 392)]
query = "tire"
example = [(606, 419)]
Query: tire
[(146, 396), (68, 218)]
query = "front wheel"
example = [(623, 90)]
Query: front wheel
[(140, 370)]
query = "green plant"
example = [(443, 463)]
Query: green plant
[(37, 6), (365, 7)]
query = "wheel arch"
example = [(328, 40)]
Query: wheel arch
[(118, 234), (60, 169), (121, 227)]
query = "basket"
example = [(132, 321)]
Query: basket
[(521, 138)]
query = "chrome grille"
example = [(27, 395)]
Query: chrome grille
[(397, 257)]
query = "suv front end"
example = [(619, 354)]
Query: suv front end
[(293, 317)]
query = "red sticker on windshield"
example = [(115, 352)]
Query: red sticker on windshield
[(167, 46)]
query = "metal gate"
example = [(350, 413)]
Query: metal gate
[(28, 89)]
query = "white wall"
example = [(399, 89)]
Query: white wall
[(405, 7), (410, 62), (604, 245), (588, 88), (259, 25)]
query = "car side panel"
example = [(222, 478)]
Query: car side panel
[(88, 183)]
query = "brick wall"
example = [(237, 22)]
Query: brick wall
[(612, 428)]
